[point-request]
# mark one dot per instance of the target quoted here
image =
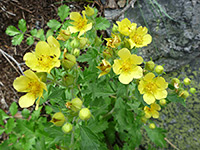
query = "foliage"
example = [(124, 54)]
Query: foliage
[(89, 101)]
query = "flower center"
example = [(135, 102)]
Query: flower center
[(35, 88), (126, 66), (45, 61), (150, 87), (137, 39), (81, 24)]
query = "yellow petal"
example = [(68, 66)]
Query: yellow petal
[(124, 53), (30, 60), (147, 115), (141, 87), (117, 66), (21, 84), (132, 43), (149, 77), (142, 31), (155, 106), (136, 72), (147, 39), (155, 114), (75, 16), (161, 83), (88, 27), (42, 48), (30, 74), (73, 29), (53, 42), (136, 59), (27, 100), (125, 78), (160, 94), (149, 98)]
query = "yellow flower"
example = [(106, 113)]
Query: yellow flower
[(153, 111), (114, 41), (104, 67), (127, 66), (140, 38), (89, 10), (125, 27), (45, 56), (80, 23), (152, 88), (31, 84)]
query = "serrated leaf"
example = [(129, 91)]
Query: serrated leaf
[(30, 40), (49, 33), (102, 23), (17, 39), (53, 24), (98, 126), (25, 113), (10, 125), (34, 32), (22, 25), (156, 135), (13, 108), (63, 12), (175, 98), (88, 139), (11, 31)]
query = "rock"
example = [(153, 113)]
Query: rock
[(112, 4), (121, 3)]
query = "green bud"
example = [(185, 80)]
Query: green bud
[(85, 114), (186, 81), (67, 127), (152, 126), (184, 94), (89, 11), (75, 43), (42, 76), (68, 61), (68, 79), (83, 42), (175, 80), (64, 35), (159, 69), (163, 102), (76, 104), (144, 119), (76, 52), (114, 28), (150, 66), (192, 90), (58, 119)]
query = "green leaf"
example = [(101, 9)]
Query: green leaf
[(34, 32), (10, 125), (88, 139), (156, 135), (63, 12), (11, 31), (25, 113), (40, 34), (48, 109), (17, 39), (175, 98), (54, 24), (3, 115), (1, 130), (98, 126), (102, 23), (49, 33), (30, 40), (22, 25), (13, 108)]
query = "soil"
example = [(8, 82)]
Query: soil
[(36, 13)]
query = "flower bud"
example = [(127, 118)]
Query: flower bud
[(114, 28), (64, 35), (68, 61), (152, 126), (186, 81), (67, 127), (68, 79), (184, 94), (89, 11), (42, 76), (159, 69), (150, 66), (75, 43), (163, 102), (76, 104), (58, 119), (144, 119), (83, 42), (76, 52), (192, 90), (85, 114)]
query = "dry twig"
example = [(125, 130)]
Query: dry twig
[(171, 144)]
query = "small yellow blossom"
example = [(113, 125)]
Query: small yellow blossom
[(127, 66), (152, 88), (31, 84), (114, 41), (153, 111), (80, 23), (140, 38), (104, 67), (125, 27), (89, 10), (45, 57)]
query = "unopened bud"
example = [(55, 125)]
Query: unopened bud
[(68, 61), (58, 119), (192, 90), (186, 81), (144, 119), (159, 69), (163, 102), (89, 11), (67, 127), (184, 94), (83, 42), (85, 114), (75, 43), (152, 126), (150, 66), (64, 35), (68, 79), (76, 52), (76, 104)]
